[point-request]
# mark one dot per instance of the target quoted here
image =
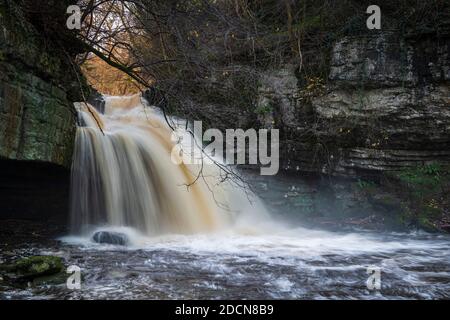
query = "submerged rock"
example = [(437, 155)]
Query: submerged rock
[(109, 237)]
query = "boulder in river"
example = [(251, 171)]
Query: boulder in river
[(29, 269), (109, 237)]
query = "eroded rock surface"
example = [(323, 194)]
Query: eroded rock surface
[(38, 85), (386, 107)]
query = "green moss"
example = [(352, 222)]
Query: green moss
[(422, 180), (365, 185), (425, 192), (264, 109), (36, 266)]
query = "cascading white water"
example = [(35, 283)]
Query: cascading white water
[(122, 175)]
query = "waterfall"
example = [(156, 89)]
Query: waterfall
[(122, 175)]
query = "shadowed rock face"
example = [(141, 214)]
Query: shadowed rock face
[(34, 190), (38, 84), (386, 107), (36, 119), (386, 60)]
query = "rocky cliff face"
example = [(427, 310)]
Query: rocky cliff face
[(383, 114), (37, 118), (36, 115), (386, 107), (374, 136)]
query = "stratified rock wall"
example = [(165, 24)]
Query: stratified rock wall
[(386, 107), (37, 119), (38, 85)]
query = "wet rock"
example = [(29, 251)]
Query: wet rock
[(97, 101), (108, 237), (446, 227), (53, 280), (32, 268)]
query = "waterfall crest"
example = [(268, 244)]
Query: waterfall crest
[(122, 175)]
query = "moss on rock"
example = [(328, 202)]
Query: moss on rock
[(38, 83), (35, 269), (424, 190)]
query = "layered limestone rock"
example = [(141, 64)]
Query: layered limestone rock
[(37, 119), (38, 85), (386, 107)]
